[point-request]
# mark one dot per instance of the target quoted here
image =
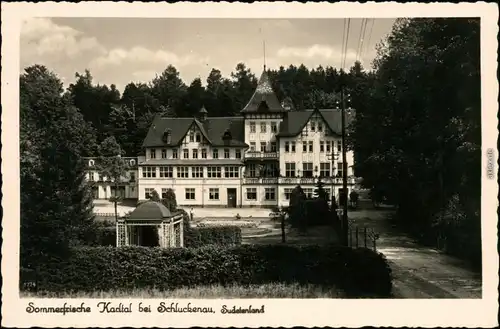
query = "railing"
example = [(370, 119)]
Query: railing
[(361, 237), (294, 180), (261, 155)]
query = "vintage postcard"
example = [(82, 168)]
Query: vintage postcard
[(247, 165)]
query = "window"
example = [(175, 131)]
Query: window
[(321, 146), (251, 170), (163, 193), (252, 146), (320, 126), (214, 172), (226, 153), (185, 154), (231, 172), (313, 126), (252, 127), (304, 147), (292, 146), (203, 153), (191, 136), (287, 147), (263, 146), (182, 172), (328, 146), (175, 154), (215, 154), (308, 192), (273, 146), (238, 154), (148, 192), (310, 146), (166, 172), (251, 193), (190, 194), (274, 127), (324, 169), (270, 193), (132, 176), (152, 154), (149, 172), (339, 146), (340, 169), (163, 153), (197, 172), (198, 138), (263, 127), (213, 194), (195, 154), (91, 163), (290, 169), (91, 176), (288, 192), (307, 169)]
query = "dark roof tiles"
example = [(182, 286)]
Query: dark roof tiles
[(150, 210), (213, 129), (264, 99)]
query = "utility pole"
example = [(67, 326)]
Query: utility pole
[(345, 222)]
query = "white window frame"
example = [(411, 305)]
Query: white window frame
[(270, 193), (251, 190), (214, 172), (182, 172), (213, 193), (189, 193)]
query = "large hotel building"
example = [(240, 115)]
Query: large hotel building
[(253, 160)]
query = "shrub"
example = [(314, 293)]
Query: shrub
[(213, 235), (358, 272)]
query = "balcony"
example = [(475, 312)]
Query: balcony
[(261, 155), (260, 180), (295, 180)]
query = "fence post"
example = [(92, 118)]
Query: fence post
[(364, 234), (357, 239)]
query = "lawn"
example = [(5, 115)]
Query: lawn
[(271, 290)]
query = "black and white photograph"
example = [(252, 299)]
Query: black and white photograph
[(211, 165)]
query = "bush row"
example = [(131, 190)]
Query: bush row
[(194, 237), (359, 272), (212, 235)]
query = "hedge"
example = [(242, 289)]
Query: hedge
[(358, 272), (213, 235), (194, 237)]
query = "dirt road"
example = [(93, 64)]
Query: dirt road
[(419, 272)]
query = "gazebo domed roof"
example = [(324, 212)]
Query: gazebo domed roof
[(150, 210)]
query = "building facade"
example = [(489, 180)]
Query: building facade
[(253, 160)]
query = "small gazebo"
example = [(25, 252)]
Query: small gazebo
[(150, 224)]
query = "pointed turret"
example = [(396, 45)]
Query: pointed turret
[(264, 100), (203, 113)]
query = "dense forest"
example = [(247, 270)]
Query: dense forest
[(416, 136)]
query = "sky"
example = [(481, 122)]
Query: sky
[(122, 50)]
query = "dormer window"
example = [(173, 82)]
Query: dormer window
[(167, 136), (132, 162), (91, 163), (227, 137)]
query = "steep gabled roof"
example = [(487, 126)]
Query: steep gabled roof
[(264, 100), (212, 129), (295, 121)]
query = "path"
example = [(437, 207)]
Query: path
[(419, 272)]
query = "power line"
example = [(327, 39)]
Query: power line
[(343, 43), (362, 32), (346, 41), (369, 36)]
